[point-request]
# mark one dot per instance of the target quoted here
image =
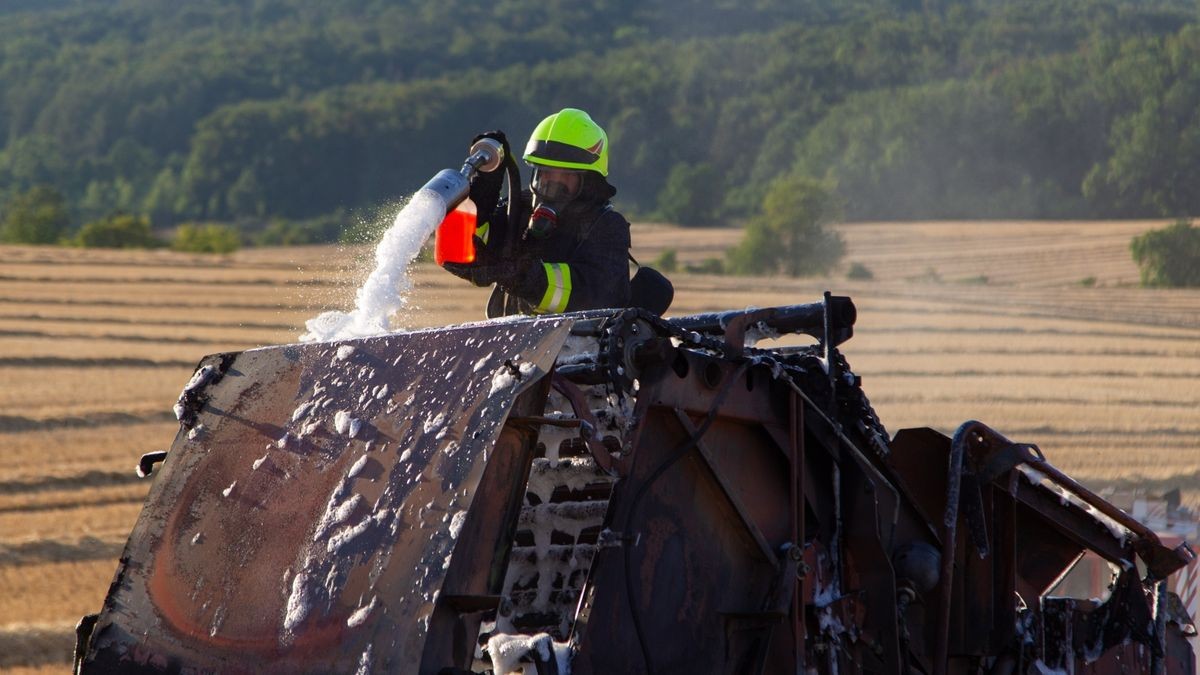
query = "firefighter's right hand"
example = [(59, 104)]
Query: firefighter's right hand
[(488, 268), (485, 186)]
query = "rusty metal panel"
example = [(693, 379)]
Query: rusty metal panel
[(689, 586), (306, 520)]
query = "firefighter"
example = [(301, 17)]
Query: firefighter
[(561, 247)]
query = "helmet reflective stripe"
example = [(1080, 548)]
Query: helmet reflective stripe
[(569, 139), (560, 152), (558, 288)]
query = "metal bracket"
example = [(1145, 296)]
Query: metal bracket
[(145, 465), (614, 466)]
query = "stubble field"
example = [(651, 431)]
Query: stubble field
[(989, 321)]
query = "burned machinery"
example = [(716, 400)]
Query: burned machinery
[(610, 492)]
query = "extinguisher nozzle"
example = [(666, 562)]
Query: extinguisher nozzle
[(486, 155)]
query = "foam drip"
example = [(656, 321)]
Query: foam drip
[(386, 289)]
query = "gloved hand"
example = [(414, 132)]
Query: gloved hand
[(489, 268), (485, 186)]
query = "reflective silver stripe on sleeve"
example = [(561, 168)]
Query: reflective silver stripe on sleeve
[(558, 288)]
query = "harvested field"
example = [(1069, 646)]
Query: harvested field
[(1037, 328)]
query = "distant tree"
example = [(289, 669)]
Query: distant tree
[(950, 149), (38, 216), (667, 261), (1153, 140), (859, 272), (119, 230), (691, 196), (36, 160), (790, 236), (1169, 257), (99, 198), (280, 232), (917, 108), (206, 238), (163, 202), (245, 196), (707, 266)]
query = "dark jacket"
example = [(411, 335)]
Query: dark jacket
[(582, 264)]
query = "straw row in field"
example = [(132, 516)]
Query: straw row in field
[(1178, 422), (73, 451), (181, 295), (201, 334), (36, 648), (54, 390), (21, 351), (921, 364), (218, 279), (111, 517), (167, 302), (136, 315), (65, 499), (61, 593), (1027, 253), (77, 481), (38, 551), (1022, 306), (1073, 397), (261, 259)]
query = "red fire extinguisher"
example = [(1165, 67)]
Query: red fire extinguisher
[(455, 236), (455, 240)]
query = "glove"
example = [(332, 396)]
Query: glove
[(489, 268), (485, 186)]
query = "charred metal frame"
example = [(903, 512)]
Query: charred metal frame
[(761, 521)]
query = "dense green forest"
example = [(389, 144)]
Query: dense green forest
[(248, 111)]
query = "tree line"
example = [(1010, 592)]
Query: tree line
[(265, 113)]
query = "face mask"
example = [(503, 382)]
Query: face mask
[(556, 186), (553, 189)]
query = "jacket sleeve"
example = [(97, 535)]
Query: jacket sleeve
[(594, 276)]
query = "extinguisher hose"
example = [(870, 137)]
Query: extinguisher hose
[(512, 174)]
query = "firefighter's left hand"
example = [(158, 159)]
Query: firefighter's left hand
[(485, 186)]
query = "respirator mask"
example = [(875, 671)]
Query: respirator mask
[(553, 188)]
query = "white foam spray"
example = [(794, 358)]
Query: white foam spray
[(386, 289)]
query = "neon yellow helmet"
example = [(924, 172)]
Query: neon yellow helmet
[(569, 139)]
